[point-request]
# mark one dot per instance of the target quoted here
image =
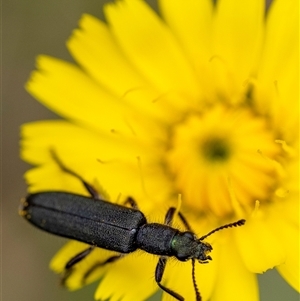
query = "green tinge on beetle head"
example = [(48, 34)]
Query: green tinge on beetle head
[(186, 245)]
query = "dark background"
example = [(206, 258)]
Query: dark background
[(30, 28)]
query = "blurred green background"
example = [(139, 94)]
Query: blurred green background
[(30, 28)]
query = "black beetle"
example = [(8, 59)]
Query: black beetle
[(114, 227)]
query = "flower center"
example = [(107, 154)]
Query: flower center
[(219, 152), (215, 149)]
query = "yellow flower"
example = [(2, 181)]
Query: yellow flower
[(202, 102)]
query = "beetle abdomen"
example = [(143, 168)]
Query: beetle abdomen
[(95, 222)]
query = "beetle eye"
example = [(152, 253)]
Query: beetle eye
[(182, 257), (189, 235)]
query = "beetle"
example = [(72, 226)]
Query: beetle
[(114, 227)]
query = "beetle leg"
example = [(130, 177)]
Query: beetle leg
[(74, 260), (131, 202), (99, 265), (159, 271), (77, 258), (170, 215), (184, 221), (91, 190)]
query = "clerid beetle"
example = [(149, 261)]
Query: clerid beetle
[(123, 229)]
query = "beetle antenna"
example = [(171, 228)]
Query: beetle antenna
[(235, 224), (198, 296)]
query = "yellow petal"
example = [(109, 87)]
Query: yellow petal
[(109, 168), (277, 91), (191, 23), (77, 277), (290, 269), (151, 47), (286, 101), (259, 244), (65, 89), (68, 251), (94, 48), (286, 202), (282, 35), (49, 177), (96, 51), (287, 212), (238, 31), (39, 137), (178, 277), (130, 278), (233, 278)]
